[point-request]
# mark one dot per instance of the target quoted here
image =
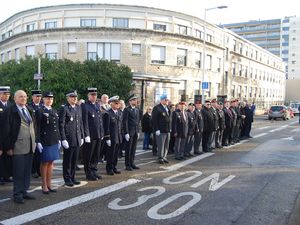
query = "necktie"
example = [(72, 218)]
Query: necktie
[(26, 116)]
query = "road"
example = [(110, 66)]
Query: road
[(256, 182)]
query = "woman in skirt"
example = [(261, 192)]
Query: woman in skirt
[(48, 140)]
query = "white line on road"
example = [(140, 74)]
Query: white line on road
[(262, 128), (27, 217), (231, 146), (260, 135), (279, 128), (142, 164)]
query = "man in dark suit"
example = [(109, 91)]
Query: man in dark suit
[(5, 159), (192, 128), (71, 133), (213, 110), (208, 125), (93, 133), (180, 130), (131, 119), (19, 140), (199, 131), (161, 117), (220, 131), (229, 117), (35, 105), (113, 135)]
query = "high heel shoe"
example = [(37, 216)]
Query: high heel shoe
[(52, 190)]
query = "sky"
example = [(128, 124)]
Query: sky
[(237, 11)]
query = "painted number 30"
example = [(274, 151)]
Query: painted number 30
[(153, 212)]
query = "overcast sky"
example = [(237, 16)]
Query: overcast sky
[(237, 11)]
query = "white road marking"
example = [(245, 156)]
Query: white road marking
[(231, 146), (291, 138), (142, 164), (262, 128), (30, 216), (214, 181), (296, 130), (153, 212), (4, 200), (167, 180), (187, 162), (259, 135), (279, 128)]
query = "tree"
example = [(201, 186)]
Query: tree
[(63, 75)]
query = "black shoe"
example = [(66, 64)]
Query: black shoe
[(128, 168), (177, 158), (69, 183), (110, 172), (135, 167), (116, 171), (197, 153), (52, 190), (19, 200), (187, 155), (29, 197), (7, 180), (161, 161), (45, 192), (182, 158), (76, 182), (91, 178), (165, 161), (99, 177), (35, 175)]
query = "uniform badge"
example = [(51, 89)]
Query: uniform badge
[(71, 118), (46, 114), (164, 114), (93, 115), (1, 110)]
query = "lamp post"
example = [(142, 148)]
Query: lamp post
[(204, 46)]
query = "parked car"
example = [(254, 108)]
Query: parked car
[(279, 111), (295, 107)]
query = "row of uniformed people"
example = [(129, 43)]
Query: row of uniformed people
[(71, 127)]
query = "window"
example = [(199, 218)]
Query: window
[(3, 37), (226, 54), (72, 47), (181, 57), (219, 65), (209, 38), (2, 58), (233, 91), (246, 71), (241, 69), (182, 29), (30, 50), (198, 33), (30, 27), (10, 33), (9, 55), (51, 51), (17, 55), (233, 69), (198, 57), (51, 24), (158, 54), (208, 62), (234, 45), (106, 51), (136, 49), (120, 23), (160, 27), (87, 22)]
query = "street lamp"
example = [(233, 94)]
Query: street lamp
[(204, 45)]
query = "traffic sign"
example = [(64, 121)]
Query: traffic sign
[(205, 85), (38, 76)]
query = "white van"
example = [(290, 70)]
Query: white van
[(294, 106)]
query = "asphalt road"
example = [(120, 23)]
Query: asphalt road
[(255, 182)]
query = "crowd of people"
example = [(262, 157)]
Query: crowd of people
[(33, 134)]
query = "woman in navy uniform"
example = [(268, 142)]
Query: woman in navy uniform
[(48, 140)]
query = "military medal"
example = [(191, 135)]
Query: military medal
[(71, 118), (164, 114), (93, 115)]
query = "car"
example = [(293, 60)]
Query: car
[(279, 111), (295, 107)]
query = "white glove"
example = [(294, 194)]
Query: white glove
[(157, 133), (59, 144), (108, 142), (87, 139), (65, 144), (127, 137), (82, 141), (243, 116), (138, 135), (39, 147)]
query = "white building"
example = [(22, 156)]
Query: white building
[(163, 48), (294, 48)]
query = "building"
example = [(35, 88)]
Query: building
[(264, 33), (163, 48)]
